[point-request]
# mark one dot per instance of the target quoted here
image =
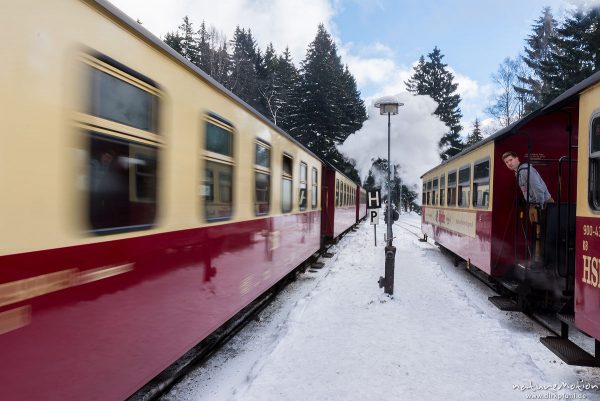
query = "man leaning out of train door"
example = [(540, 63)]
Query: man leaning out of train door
[(538, 192)]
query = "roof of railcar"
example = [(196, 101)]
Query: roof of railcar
[(147, 35), (558, 102)]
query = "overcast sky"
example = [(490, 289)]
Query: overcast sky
[(380, 40)]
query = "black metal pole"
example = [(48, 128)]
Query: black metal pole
[(389, 180), (390, 250)]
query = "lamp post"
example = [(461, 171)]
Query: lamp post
[(389, 105)]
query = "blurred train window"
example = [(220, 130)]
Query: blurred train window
[(481, 184), (464, 186), (262, 179), (424, 197), (122, 185), (314, 193), (218, 140), (286, 184), (434, 191), (122, 179), (429, 186), (218, 195), (452, 188), (208, 185), (337, 192), (594, 172), (217, 186), (442, 189), (117, 100), (303, 201), (263, 155), (344, 194)]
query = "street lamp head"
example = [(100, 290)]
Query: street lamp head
[(388, 105)]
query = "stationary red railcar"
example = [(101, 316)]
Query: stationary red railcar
[(361, 204), (339, 202), (473, 207), (143, 204)]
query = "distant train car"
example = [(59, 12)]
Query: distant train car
[(361, 203), (474, 208), (143, 204), (339, 202)]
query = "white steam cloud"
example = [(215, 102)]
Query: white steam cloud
[(414, 136)]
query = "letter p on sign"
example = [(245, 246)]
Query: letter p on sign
[(374, 216)]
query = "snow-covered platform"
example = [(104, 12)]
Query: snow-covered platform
[(333, 335)]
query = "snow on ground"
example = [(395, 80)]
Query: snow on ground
[(333, 335)]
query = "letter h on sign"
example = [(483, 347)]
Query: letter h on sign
[(374, 199)]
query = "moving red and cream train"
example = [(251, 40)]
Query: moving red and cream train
[(473, 208), (143, 204)]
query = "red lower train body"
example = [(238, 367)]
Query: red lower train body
[(99, 321)]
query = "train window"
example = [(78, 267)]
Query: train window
[(207, 185), (263, 182), (481, 184), (122, 185), (452, 188), (123, 102), (434, 191), (286, 184), (594, 169), (345, 194), (263, 155), (314, 193), (219, 140), (218, 191), (442, 189), (217, 186), (424, 197), (122, 178), (337, 192), (464, 186), (429, 186), (303, 196), (262, 179)]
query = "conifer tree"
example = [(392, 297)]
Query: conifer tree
[(433, 78), (204, 49), (244, 75), (220, 59), (475, 135), (174, 41), (286, 79), (189, 41), (538, 52), (329, 107), (577, 52)]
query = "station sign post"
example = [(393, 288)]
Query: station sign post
[(373, 205)]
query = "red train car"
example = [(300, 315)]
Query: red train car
[(163, 207), (339, 202), (361, 204), (473, 207)]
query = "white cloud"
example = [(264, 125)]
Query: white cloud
[(414, 136), (291, 23), (584, 3)]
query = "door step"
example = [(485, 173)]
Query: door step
[(567, 318), (511, 285), (505, 304), (569, 352)]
